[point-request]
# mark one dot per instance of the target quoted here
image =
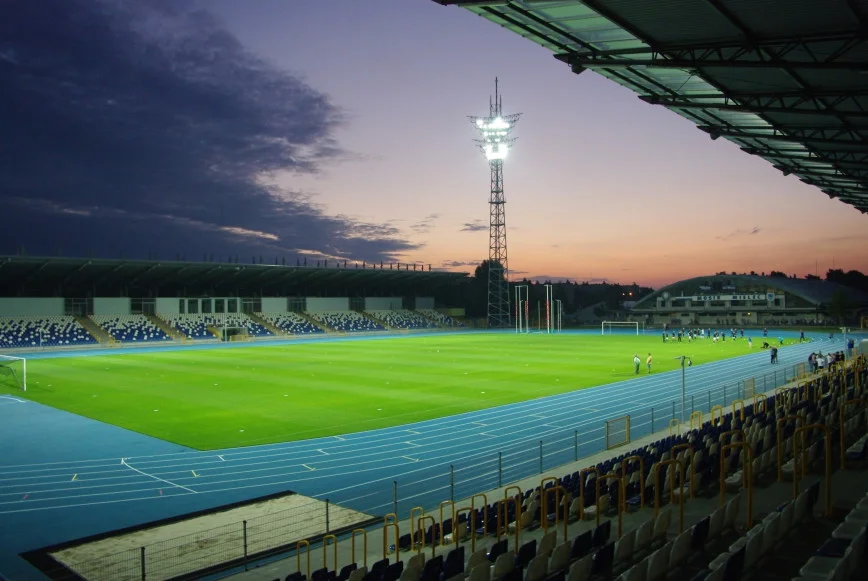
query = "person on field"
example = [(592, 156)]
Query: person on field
[(648, 363), (636, 363)]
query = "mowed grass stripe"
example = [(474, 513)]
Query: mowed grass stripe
[(220, 398)]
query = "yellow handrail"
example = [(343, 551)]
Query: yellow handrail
[(503, 507), (780, 444), (620, 504), (326, 541), (469, 510), (413, 512), (582, 488), (391, 520), (698, 417), (364, 546), (718, 419), (746, 476), (298, 546), (689, 447), (680, 466), (421, 523), (641, 477), (828, 436), (542, 488), (740, 402), (560, 494), (442, 534), (843, 414)]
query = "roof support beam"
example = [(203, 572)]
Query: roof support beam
[(697, 61), (730, 105), (840, 157), (725, 46), (793, 134)]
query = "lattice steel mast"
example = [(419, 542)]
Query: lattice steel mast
[(496, 139)]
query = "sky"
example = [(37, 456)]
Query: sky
[(337, 129)]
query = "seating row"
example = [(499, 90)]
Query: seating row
[(437, 316), (291, 323), (22, 332), (346, 321), (130, 328), (403, 319)]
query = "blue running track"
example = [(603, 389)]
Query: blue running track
[(64, 477)]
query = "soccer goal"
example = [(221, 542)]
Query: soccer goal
[(13, 372), (609, 327)]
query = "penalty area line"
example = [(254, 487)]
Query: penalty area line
[(134, 469)]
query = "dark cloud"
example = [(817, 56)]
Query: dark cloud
[(136, 126), (740, 232), (475, 226)]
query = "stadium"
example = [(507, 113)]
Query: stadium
[(218, 430), (346, 421)]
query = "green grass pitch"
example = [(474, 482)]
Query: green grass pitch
[(220, 398)]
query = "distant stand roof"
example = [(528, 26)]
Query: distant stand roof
[(79, 277), (816, 292), (786, 80)]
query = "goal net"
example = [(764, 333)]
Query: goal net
[(621, 327), (13, 373)]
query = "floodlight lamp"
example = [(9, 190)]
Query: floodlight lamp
[(495, 151), (480, 122)]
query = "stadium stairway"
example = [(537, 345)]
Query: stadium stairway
[(95, 330), (318, 323), (166, 327), (265, 323), (430, 318), (376, 319)]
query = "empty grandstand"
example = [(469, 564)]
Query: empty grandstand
[(130, 328), (291, 323), (190, 326), (402, 319), (347, 321), (52, 331), (440, 318)]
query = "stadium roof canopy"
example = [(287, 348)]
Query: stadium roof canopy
[(26, 276), (786, 80), (816, 292)]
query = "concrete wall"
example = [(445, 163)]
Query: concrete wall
[(273, 304), (424, 303), (31, 307), (167, 306), (383, 303), (111, 306), (320, 304)]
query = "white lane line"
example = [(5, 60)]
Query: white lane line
[(124, 462)]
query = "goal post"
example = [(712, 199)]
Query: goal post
[(13, 372), (608, 327)]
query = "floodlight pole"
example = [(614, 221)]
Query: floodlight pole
[(495, 131)]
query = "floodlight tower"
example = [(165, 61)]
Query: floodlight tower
[(495, 143)]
